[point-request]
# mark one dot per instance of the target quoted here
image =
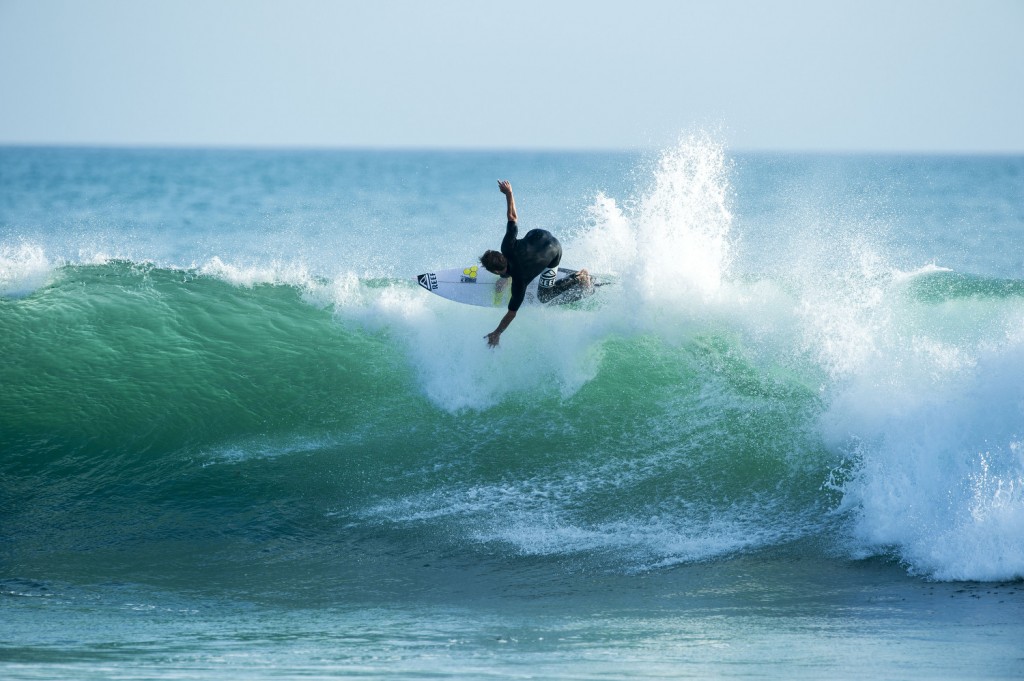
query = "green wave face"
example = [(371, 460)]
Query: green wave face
[(125, 357)]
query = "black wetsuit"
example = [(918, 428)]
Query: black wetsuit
[(528, 257)]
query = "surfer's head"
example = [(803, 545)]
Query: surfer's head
[(494, 262)]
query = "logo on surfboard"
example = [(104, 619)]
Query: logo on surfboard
[(428, 281), (547, 279), (469, 275)]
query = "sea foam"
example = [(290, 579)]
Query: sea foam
[(24, 268)]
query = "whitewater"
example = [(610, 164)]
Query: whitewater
[(238, 440)]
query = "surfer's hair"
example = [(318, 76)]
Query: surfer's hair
[(493, 261)]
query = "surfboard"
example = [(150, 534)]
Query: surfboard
[(474, 285)]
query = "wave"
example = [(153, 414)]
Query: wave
[(847, 407)]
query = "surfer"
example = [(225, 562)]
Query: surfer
[(522, 260)]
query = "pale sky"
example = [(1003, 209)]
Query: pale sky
[(800, 75)]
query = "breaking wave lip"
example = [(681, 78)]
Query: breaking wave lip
[(924, 270), (24, 268)]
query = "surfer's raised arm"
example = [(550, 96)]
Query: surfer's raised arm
[(506, 188)]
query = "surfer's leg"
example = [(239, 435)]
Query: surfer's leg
[(576, 285), (546, 286), (548, 276)]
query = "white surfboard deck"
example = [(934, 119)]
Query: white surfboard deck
[(474, 285)]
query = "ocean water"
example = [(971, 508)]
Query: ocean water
[(238, 441)]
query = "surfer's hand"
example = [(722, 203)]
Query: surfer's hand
[(501, 283), (493, 336), (505, 187)]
